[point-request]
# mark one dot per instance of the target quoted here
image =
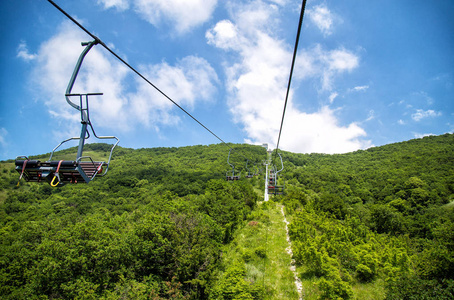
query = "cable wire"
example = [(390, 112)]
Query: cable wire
[(303, 6)]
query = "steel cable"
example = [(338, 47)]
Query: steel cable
[(303, 6)]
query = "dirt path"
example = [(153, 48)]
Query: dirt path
[(298, 283)]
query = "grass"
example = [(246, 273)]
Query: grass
[(362, 291), (261, 245), (370, 291)]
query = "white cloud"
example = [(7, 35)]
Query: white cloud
[(22, 52), (3, 142), (120, 5), (257, 82), (421, 135), (280, 2), (123, 105), (325, 64), (359, 88), (371, 115), (322, 17), (185, 14), (3, 134), (422, 114), (401, 122), (320, 132), (191, 80), (332, 97), (224, 35)]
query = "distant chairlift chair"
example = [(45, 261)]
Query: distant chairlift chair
[(249, 174), (230, 175), (81, 170), (273, 188)]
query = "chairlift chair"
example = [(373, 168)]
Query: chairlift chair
[(273, 188), (249, 174), (82, 170), (230, 175)]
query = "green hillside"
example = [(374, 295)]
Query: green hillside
[(164, 224)]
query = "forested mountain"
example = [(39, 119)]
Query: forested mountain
[(380, 215), (378, 221)]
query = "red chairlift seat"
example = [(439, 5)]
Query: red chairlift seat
[(60, 172)]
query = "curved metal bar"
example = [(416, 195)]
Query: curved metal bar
[(67, 140), (228, 161), (111, 149), (282, 164), (76, 71)]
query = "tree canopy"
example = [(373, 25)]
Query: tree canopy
[(157, 224)]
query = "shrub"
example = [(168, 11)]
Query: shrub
[(335, 289), (364, 273), (260, 252)]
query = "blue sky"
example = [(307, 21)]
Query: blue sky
[(368, 73)]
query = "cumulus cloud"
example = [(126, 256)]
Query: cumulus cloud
[(422, 114), (325, 64), (257, 81), (322, 17), (321, 132), (184, 14), (22, 52), (224, 35), (190, 81), (120, 5), (124, 104)]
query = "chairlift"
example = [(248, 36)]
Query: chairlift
[(249, 174), (82, 170), (273, 188), (230, 175), (257, 171)]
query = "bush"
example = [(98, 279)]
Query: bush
[(335, 289), (260, 252), (364, 273), (413, 287)]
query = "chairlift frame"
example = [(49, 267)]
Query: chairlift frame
[(275, 189), (230, 176), (249, 174), (84, 169)]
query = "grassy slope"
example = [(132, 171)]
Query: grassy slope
[(261, 245)]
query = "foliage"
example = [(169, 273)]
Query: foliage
[(153, 228), (233, 286), (158, 224), (377, 215)]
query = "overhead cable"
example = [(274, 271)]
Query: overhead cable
[(303, 5)]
